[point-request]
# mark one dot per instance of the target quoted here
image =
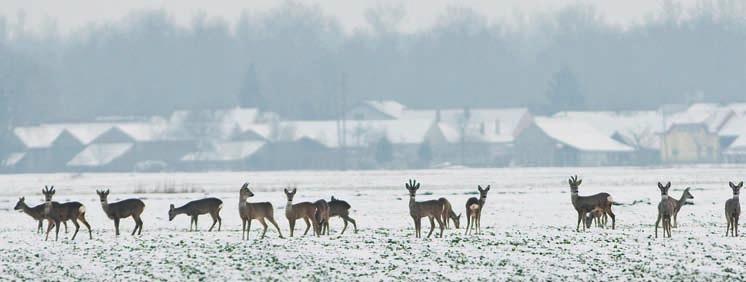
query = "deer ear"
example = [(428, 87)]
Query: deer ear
[(488, 188), (171, 207), (580, 181), (660, 185), (668, 185), (22, 199), (740, 184)]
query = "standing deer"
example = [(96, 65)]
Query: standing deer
[(304, 210), (322, 217), (733, 210), (666, 209), (122, 209), (474, 210), (448, 214), (36, 212), (585, 204), (680, 203), (60, 212), (198, 207), (342, 209), (432, 209), (250, 211)]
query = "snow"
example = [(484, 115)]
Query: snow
[(391, 108), (100, 154), (528, 228), (639, 128), (37, 136), (579, 135), (226, 151), (359, 133)]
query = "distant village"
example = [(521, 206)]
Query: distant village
[(383, 135)]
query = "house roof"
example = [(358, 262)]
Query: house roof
[(483, 125), (579, 135), (391, 108), (100, 154), (13, 158), (712, 116), (226, 151), (358, 134), (636, 128), (37, 136)]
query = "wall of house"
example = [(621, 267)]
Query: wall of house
[(534, 148), (690, 143)]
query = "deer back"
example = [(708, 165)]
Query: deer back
[(125, 208), (257, 210), (338, 207), (64, 211), (202, 206)]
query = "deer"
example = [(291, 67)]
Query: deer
[(195, 208), (322, 215), (60, 212), (262, 212), (666, 209), (303, 210), (594, 214), (36, 212), (585, 204), (122, 209), (474, 210), (682, 201), (733, 210), (341, 208), (448, 214), (432, 209)]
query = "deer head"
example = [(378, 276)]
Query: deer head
[(102, 194), (412, 187), (483, 192), (244, 192), (574, 183), (736, 188), (457, 221), (664, 189), (48, 193), (21, 203), (171, 212), (290, 193), (687, 195)]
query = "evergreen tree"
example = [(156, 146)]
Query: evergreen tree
[(250, 95), (564, 92)]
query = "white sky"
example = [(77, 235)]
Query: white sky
[(69, 15)]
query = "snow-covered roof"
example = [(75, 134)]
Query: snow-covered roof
[(483, 125), (100, 154), (358, 133), (712, 116), (34, 137), (736, 126), (636, 128), (13, 158), (388, 107), (143, 131), (226, 151), (579, 135)]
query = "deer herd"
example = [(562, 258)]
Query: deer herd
[(591, 209)]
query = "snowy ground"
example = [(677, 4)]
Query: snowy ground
[(528, 224)]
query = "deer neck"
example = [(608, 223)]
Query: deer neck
[(681, 201), (26, 209), (664, 197), (735, 197), (289, 207), (105, 206), (482, 200), (242, 202), (412, 203)]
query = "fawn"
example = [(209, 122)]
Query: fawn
[(342, 209), (594, 214), (304, 210), (122, 209), (666, 209), (432, 209), (733, 210), (474, 210), (322, 215), (36, 212), (250, 211), (680, 203), (448, 214), (60, 212), (198, 207), (585, 204)]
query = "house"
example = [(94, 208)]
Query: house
[(46, 149), (231, 155), (375, 110), (692, 136), (555, 141)]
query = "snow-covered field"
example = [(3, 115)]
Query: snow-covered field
[(528, 228)]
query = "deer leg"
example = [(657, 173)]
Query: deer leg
[(272, 220), (116, 226), (442, 226), (348, 218), (85, 222), (50, 225), (77, 227), (247, 223), (39, 228), (139, 222), (243, 229), (432, 226), (261, 220), (735, 226), (415, 227), (468, 223), (613, 218), (675, 221), (195, 218), (657, 221), (292, 226), (478, 221), (65, 223), (727, 228), (308, 225), (220, 220), (580, 217)]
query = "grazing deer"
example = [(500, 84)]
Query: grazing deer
[(448, 214), (680, 203), (198, 207), (36, 212), (250, 211), (432, 209), (585, 204), (60, 212), (122, 209), (733, 210), (666, 208), (594, 214), (474, 210), (304, 210), (342, 209), (322, 216)]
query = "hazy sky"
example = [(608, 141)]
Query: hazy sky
[(68, 15)]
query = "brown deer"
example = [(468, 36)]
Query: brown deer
[(322, 217), (585, 204), (342, 209), (304, 210), (680, 203), (122, 209), (195, 208), (474, 210), (250, 211), (448, 214), (60, 212), (594, 215), (666, 208), (733, 210), (432, 209), (36, 212)]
